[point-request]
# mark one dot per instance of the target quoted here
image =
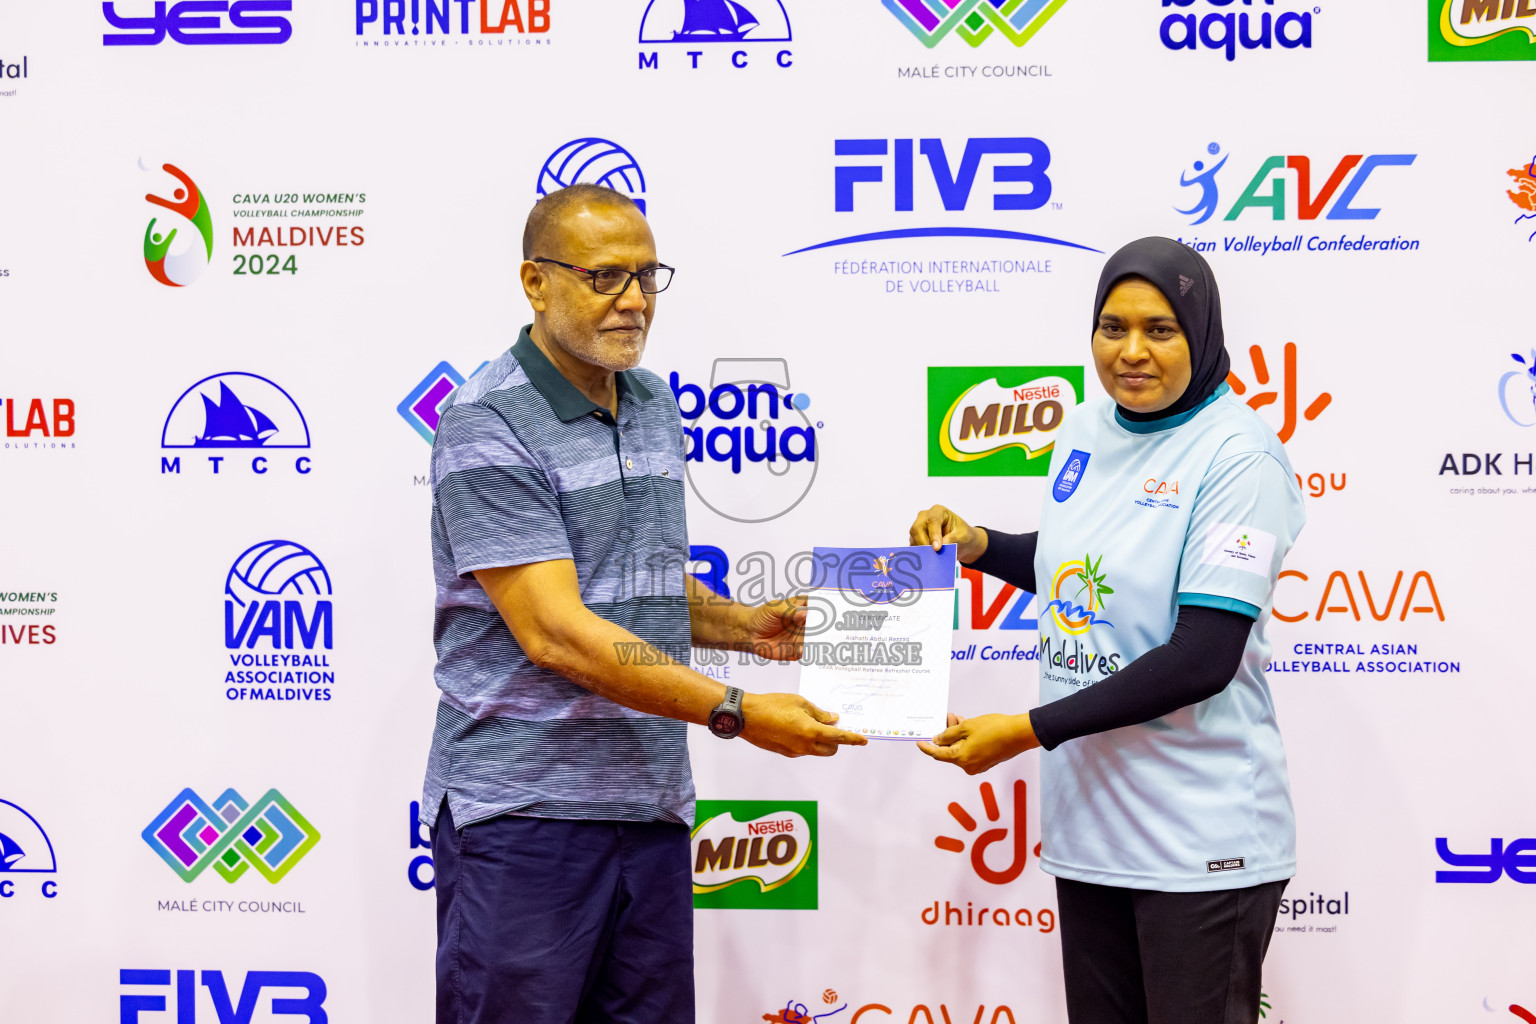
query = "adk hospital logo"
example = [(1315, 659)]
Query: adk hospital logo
[(755, 855), (997, 420), (698, 34), (27, 862), (278, 625), (238, 418), (231, 835)]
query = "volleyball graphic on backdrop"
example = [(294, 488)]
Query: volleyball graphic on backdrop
[(594, 162), (277, 568)]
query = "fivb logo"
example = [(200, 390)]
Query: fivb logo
[(174, 266), (201, 23), (749, 448), (1345, 181), (190, 1008), (228, 412), (231, 835), (973, 20), (278, 591)]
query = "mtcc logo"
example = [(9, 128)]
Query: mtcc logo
[(227, 1008), (596, 162), (1339, 187), (277, 590), (26, 852), (200, 23), (231, 835), (973, 20), (422, 408), (235, 411), (750, 450), (704, 22), (170, 264), (1517, 391)]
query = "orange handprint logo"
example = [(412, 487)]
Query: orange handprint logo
[(1288, 390), (987, 838)]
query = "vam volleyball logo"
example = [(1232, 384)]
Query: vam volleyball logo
[(231, 836), (974, 21), (277, 600), (189, 224), (1071, 584), (593, 161)]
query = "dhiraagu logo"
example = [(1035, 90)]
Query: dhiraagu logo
[(755, 855), (997, 420), (1078, 589)]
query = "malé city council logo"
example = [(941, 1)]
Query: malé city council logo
[(172, 265), (973, 20), (593, 161), (231, 836), (423, 407)]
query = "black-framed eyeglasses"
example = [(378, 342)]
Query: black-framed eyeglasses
[(613, 281)]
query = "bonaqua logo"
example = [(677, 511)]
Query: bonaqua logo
[(974, 21), (715, 23), (172, 266), (1226, 30), (231, 835), (1517, 391), (1080, 577), (593, 161)]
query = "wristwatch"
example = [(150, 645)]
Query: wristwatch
[(727, 720)]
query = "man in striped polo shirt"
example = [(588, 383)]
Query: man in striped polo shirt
[(558, 783)]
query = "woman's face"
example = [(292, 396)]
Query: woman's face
[(1139, 348)]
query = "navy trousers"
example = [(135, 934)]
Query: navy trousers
[(548, 921)]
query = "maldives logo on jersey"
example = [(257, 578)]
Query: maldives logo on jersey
[(179, 268), (973, 20), (1079, 578)]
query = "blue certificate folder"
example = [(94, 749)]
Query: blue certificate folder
[(879, 632)]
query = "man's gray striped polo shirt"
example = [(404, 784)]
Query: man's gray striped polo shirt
[(527, 469)]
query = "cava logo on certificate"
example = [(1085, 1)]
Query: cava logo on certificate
[(878, 639)]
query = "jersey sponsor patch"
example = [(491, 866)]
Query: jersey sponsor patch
[(1237, 546), (1230, 864), (1071, 475)]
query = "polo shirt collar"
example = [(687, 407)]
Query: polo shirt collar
[(567, 402)]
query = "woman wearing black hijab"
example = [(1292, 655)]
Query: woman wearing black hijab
[(1166, 807)]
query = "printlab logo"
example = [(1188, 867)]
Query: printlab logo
[(1517, 391), (226, 1009), (43, 423), (973, 20), (452, 22), (1517, 859), (1071, 581), (191, 220), (978, 426), (423, 407), (750, 450), (1482, 30), (1523, 195), (1224, 30), (199, 22), (278, 592), (593, 161), (755, 855), (235, 414), (26, 853), (231, 835), (705, 22), (1288, 393)]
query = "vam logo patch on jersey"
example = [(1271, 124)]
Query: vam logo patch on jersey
[(1070, 476)]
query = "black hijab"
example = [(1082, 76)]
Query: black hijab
[(1186, 281)]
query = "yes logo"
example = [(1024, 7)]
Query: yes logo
[(201, 23), (978, 426), (1332, 199), (1517, 860), (169, 264), (755, 854)]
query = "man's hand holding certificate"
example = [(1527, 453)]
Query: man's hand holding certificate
[(881, 661)]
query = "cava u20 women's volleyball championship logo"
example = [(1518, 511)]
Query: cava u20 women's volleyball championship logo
[(185, 264), (1082, 578)]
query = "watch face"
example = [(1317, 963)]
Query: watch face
[(723, 723)]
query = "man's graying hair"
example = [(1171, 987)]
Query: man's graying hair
[(548, 211)]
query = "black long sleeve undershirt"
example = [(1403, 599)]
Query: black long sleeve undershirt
[(1196, 663)]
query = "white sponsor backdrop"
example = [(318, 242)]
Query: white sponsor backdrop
[(122, 705)]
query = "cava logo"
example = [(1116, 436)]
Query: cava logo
[(974, 21), (231, 836), (25, 852), (1482, 30), (172, 264), (979, 426), (755, 854), (241, 412)]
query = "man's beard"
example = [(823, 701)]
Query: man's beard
[(594, 346)]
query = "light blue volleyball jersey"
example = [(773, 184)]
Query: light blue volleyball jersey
[(1140, 518)]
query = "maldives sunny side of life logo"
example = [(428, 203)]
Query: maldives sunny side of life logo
[(997, 420), (1477, 30)]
